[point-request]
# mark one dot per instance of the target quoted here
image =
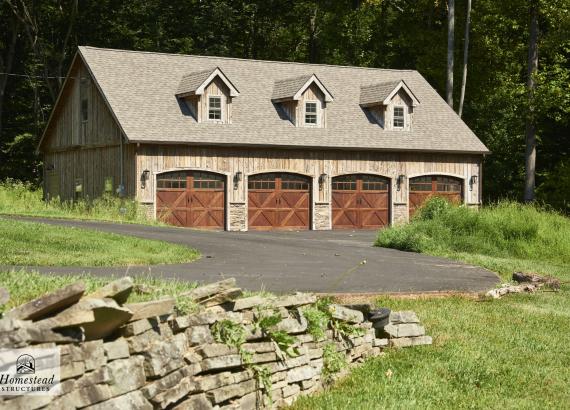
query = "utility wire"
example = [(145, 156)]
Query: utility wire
[(31, 76)]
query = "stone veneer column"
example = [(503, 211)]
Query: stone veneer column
[(322, 216), (238, 216), (147, 209), (401, 213)]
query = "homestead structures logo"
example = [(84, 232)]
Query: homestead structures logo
[(25, 364), (29, 371)]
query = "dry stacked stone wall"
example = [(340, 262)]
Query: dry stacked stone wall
[(233, 352)]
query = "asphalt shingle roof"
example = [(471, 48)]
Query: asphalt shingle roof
[(287, 88), (370, 94), (190, 82), (140, 88)]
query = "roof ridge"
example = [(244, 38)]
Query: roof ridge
[(248, 59)]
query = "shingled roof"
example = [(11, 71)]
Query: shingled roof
[(140, 89), (379, 93)]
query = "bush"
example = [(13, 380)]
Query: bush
[(505, 229), (19, 198)]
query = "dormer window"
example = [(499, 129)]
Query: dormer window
[(302, 100), (399, 118), (391, 104), (311, 113), (207, 96), (215, 107)]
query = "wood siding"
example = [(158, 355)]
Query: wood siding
[(88, 151), (228, 161)]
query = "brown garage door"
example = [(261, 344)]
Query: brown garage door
[(360, 201), (191, 198), (278, 201), (421, 188)]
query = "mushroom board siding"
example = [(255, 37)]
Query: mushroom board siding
[(424, 187), (278, 201), (191, 199), (360, 201)]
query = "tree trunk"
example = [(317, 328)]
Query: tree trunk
[(450, 34), (530, 155), (313, 34), (6, 62), (465, 56)]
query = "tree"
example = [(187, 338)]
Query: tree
[(450, 35), (465, 56), (530, 154), (8, 46)]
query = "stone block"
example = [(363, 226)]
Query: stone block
[(293, 325), (130, 401), (260, 347), (411, 341), (300, 373), (152, 308), (216, 349), (250, 302), (174, 394), (404, 316), (198, 335), (70, 370), (221, 362), (92, 353), (298, 299), (118, 290), (165, 356), (228, 392), (380, 342), (126, 375), (404, 330), (291, 390), (139, 326), (195, 402), (87, 396), (117, 349), (345, 314)]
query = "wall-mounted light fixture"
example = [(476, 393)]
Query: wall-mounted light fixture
[(237, 179), (50, 167), (399, 181), (322, 181), (472, 181), (144, 177)]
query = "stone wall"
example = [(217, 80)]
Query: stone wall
[(238, 216), (149, 355), (322, 216)]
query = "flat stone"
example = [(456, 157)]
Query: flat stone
[(216, 349), (174, 394), (293, 324), (411, 341), (345, 314), (89, 395), (291, 390), (264, 357), (261, 347), (138, 327), (235, 390), (404, 330), (48, 304), (70, 370), (28, 333), (380, 342), (298, 299), (250, 302), (126, 375), (214, 381), (98, 376), (300, 373), (307, 384), (92, 353), (195, 402), (221, 362), (130, 401), (118, 290), (210, 289), (222, 297), (117, 349), (404, 316), (165, 356), (153, 308), (198, 335)]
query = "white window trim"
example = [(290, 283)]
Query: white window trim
[(318, 113), (221, 108), (403, 107)]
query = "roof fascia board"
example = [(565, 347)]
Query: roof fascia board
[(217, 73)]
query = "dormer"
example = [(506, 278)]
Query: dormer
[(208, 95), (303, 100), (390, 104)]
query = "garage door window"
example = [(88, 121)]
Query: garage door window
[(344, 183), (374, 183), (294, 182), (263, 181), (208, 181), (172, 180)]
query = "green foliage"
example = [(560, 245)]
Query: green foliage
[(267, 323), (343, 329), (317, 322), (30, 243), (319, 319), (499, 237), (333, 362), (25, 199), (229, 333)]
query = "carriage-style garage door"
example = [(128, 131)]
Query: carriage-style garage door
[(279, 201), (421, 188), (191, 198), (360, 201)]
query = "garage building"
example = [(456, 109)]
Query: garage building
[(224, 143)]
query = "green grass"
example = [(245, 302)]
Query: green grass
[(30, 244), (512, 353), (25, 286), (503, 238), (17, 198)]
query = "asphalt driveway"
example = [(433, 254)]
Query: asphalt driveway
[(318, 261)]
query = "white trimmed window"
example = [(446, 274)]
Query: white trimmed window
[(311, 113), (399, 120), (215, 107)]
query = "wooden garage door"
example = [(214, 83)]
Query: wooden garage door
[(421, 188), (360, 201), (278, 201), (191, 198)]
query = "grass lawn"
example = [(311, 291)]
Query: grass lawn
[(17, 198), (25, 286), (30, 244), (508, 353)]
